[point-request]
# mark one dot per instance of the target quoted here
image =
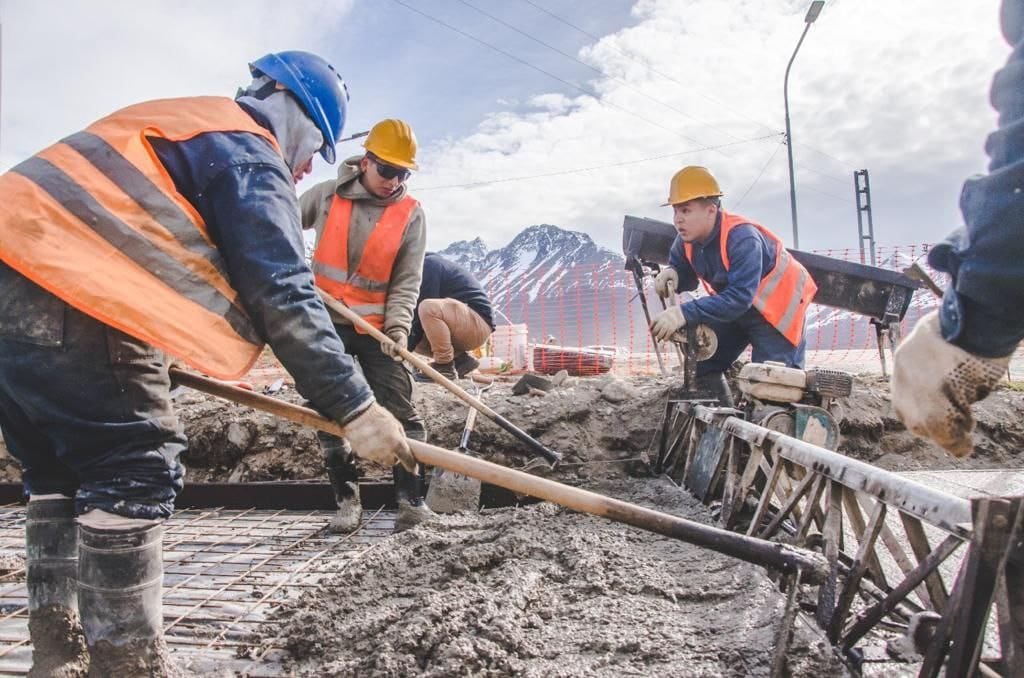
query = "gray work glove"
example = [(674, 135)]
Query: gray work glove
[(668, 322), (667, 283), (935, 382), (376, 435), (399, 338)]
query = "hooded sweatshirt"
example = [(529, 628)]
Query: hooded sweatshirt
[(404, 286)]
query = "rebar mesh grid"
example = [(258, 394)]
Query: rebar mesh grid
[(225, 573)]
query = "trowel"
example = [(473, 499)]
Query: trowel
[(451, 492)]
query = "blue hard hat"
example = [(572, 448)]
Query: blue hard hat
[(317, 86)]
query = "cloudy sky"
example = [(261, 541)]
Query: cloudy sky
[(571, 113)]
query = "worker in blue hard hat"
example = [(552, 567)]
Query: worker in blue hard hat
[(166, 230)]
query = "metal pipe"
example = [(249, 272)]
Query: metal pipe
[(777, 556), (789, 139)]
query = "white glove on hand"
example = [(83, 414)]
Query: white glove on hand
[(668, 322), (400, 337), (376, 435), (667, 283), (935, 382)]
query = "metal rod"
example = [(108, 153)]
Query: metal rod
[(341, 309), (777, 556)]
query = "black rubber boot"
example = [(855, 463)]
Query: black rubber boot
[(120, 575), (51, 571), (344, 476), (465, 363), (409, 493), (715, 386)]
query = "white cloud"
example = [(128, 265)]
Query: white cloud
[(898, 88)]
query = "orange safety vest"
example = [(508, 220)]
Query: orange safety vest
[(366, 290), (96, 220), (784, 294)]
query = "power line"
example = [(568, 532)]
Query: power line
[(551, 75), (601, 72), (578, 170), (759, 175), (652, 69)]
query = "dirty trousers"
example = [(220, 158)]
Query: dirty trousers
[(449, 326), (751, 329), (392, 387), (84, 408)]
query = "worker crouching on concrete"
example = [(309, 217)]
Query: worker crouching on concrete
[(167, 229), (453, 317), (759, 294), (370, 240)]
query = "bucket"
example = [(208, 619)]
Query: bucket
[(509, 343)]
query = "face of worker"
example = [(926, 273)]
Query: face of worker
[(694, 220), (375, 183), (300, 172)]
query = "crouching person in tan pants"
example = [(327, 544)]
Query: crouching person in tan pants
[(453, 317)]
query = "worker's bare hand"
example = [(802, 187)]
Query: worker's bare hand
[(399, 338), (667, 282), (377, 436), (935, 382), (668, 322)]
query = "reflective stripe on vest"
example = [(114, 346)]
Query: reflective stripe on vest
[(366, 290), (96, 220), (784, 294)]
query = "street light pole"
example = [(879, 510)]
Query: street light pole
[(812, 13)]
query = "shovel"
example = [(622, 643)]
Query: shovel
[(357, 320), (783, 557), (451, 492)]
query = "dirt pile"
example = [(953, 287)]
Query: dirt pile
[(544, 591), (601, 425)]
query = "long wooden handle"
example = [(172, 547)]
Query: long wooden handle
[(344, 311), (769, 554)]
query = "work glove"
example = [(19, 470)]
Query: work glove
[(667, 283), (935, 382), (668, 322), (376, 435), (399, 338)]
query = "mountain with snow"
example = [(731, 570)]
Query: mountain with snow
[(567, 288)]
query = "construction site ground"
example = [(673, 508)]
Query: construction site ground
[(532, 590)]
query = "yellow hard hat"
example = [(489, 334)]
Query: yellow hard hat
[(690, 183), (393, 142)]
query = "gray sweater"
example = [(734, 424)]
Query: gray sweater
[(404, 287)]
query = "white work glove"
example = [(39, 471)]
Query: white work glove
[(398, 337), (376, 435), (935, 382), (668, 322), (667, 283)]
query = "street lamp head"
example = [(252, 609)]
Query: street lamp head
[(813, 11)]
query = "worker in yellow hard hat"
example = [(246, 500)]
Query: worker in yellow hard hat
[(759, 293), (370, 242)]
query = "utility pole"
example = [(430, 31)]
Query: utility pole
[(812, 13), (862, 191)]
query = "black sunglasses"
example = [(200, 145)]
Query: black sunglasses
[(390, 172)]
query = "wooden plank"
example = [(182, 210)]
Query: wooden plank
[(902, 560), (803, 488), (993, 522), (936, 653), (1011, 600), (833, 534), (811, 506), (866, 538), (746, 483), (919, 545), (856, 518), (785, 631), (766, 499), (868, 618)]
